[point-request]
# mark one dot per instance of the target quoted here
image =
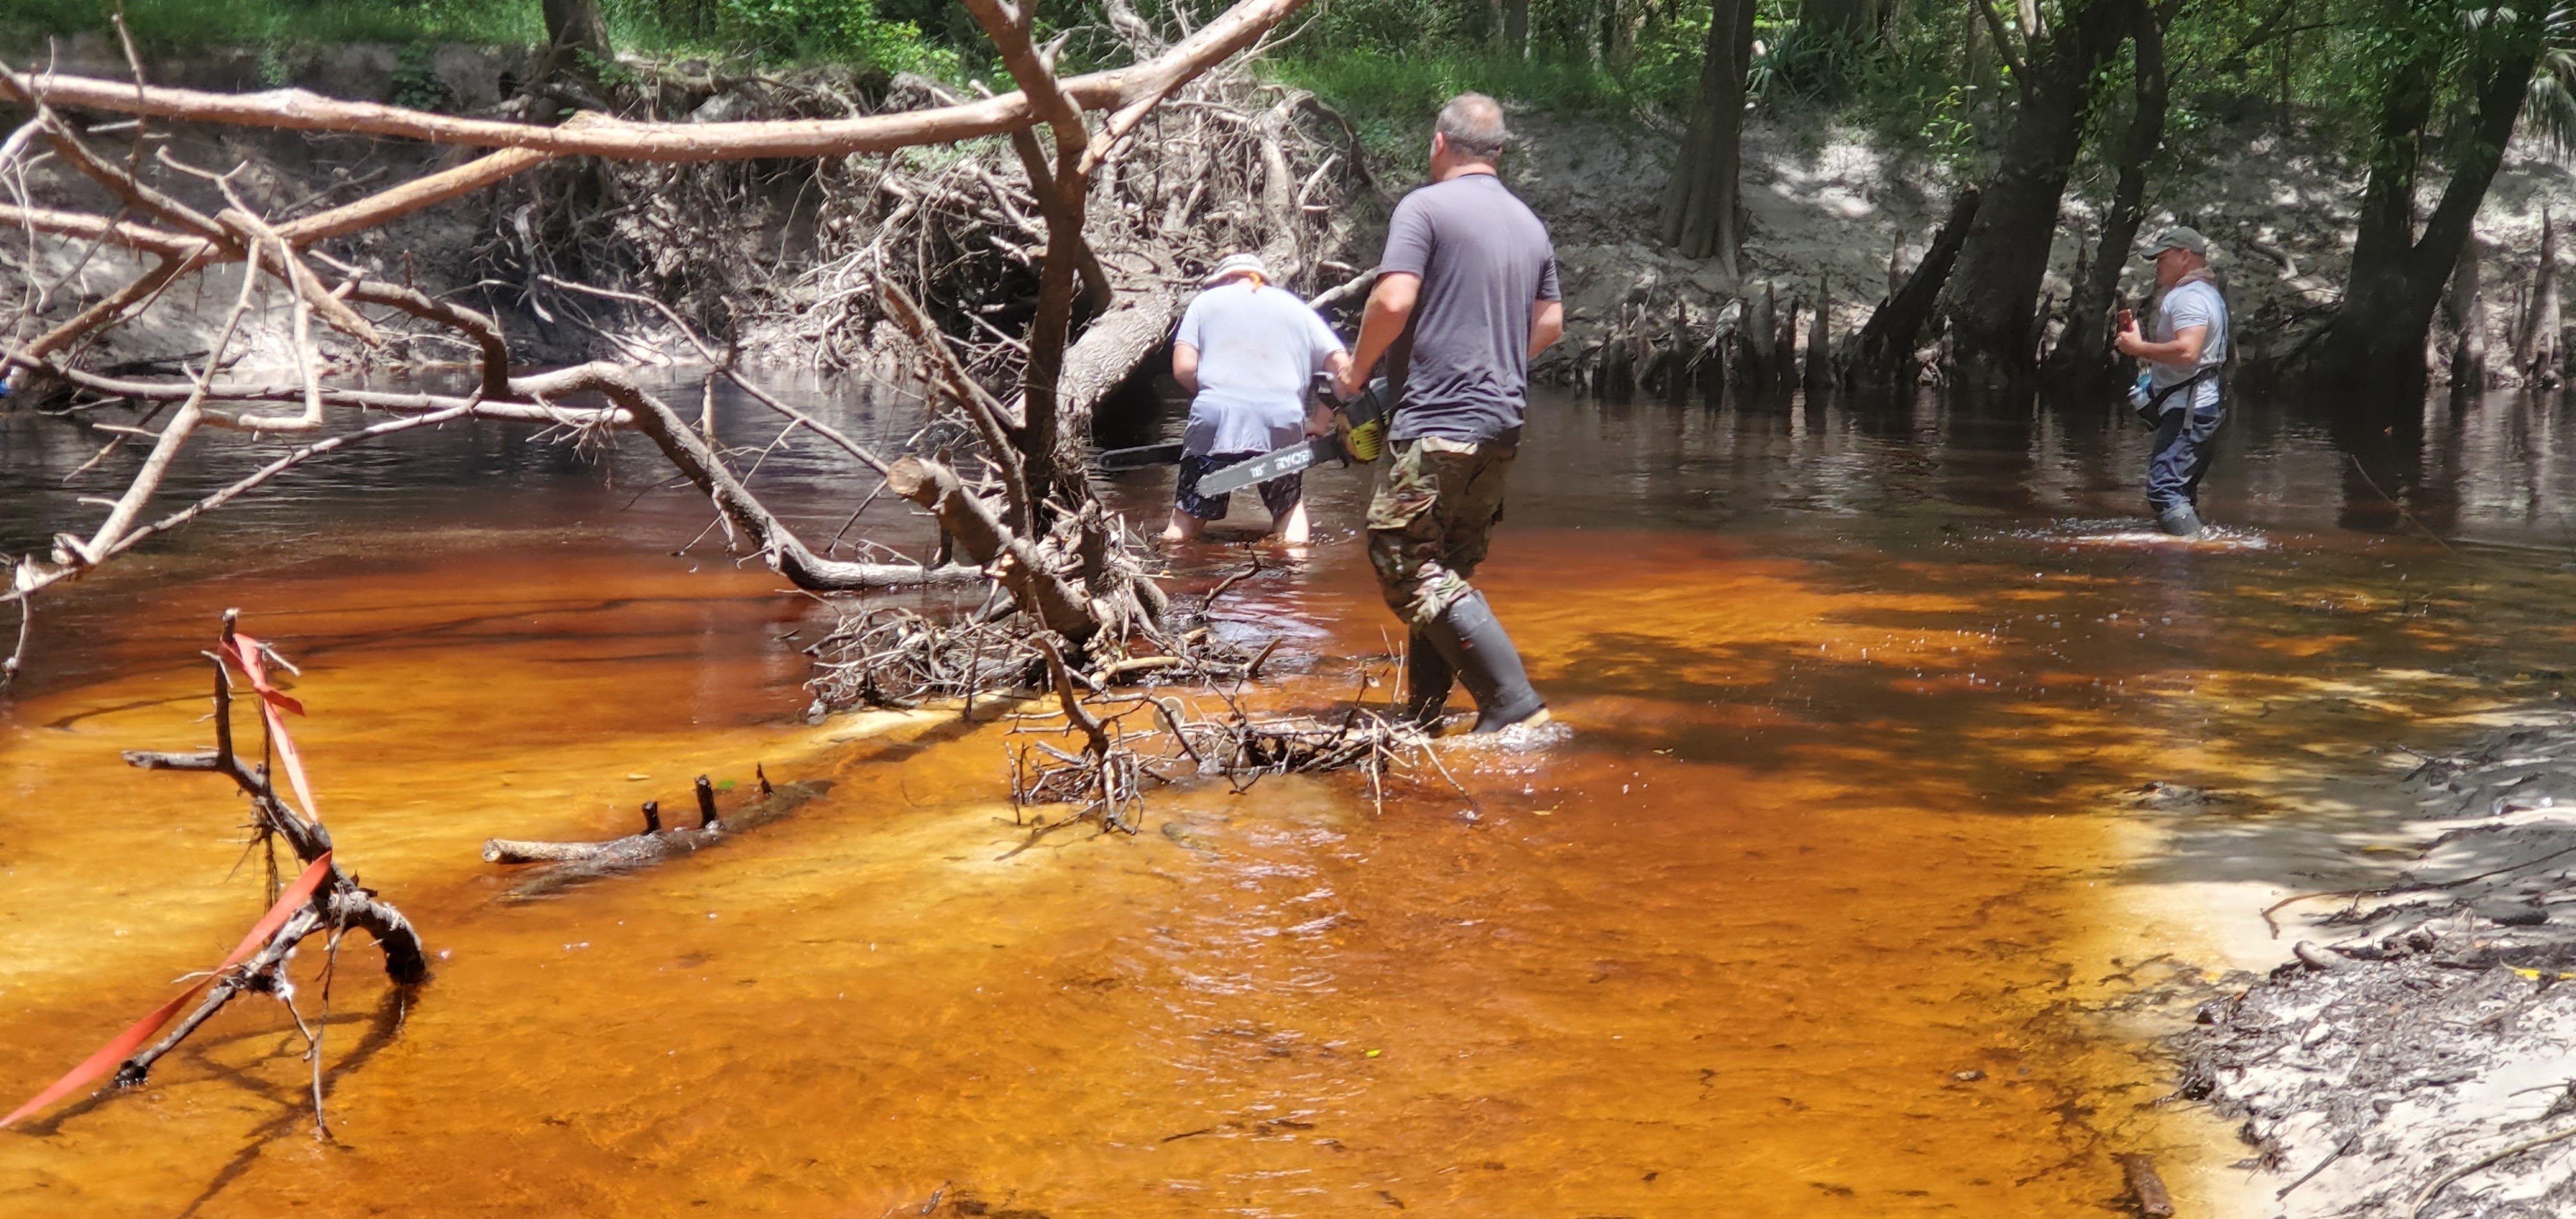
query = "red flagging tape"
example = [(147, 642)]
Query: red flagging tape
[(244, 651), (133, 1039)]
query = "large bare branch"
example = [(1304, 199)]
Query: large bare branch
[(779, 545), (1135, 88)]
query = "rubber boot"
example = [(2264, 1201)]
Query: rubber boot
[(2180, 521), (1427, 678), (1472, 640)]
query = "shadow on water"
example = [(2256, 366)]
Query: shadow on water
[(1800, 916)]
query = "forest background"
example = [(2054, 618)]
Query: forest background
[(2112, 108)]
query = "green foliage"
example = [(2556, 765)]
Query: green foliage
[(850, 32), (167, 26), (415, 81)]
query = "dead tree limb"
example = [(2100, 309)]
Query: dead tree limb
[(1119, 91), (574, 862), (323, 898)]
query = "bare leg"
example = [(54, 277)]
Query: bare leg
[(1291, 528), (1184, 527)]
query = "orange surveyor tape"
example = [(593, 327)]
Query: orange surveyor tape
[(132, 1039), (244, 651)]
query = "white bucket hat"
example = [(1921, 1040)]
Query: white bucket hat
[(1237, 264)]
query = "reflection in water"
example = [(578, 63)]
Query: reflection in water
[(1807, 913)]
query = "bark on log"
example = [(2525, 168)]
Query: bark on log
[(983, 538), (1119, 89), (1114, 345), (579, 861)]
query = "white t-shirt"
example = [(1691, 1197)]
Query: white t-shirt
[(1259, 348), (2197, 303)]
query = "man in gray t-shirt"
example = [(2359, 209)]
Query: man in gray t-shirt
[(2184, 360), (1466, 296)]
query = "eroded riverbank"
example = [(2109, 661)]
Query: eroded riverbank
[(1829, 901)]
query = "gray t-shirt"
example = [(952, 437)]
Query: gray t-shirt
[(2194, 303), (1484, 260), (1259, 349)]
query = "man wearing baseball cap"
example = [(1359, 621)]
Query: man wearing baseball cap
[(1247, 351), (1466, 297), (2179, 396)]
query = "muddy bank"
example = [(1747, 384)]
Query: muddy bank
[(2413, 1056)]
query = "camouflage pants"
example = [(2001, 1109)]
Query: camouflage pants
[(1427, 526)]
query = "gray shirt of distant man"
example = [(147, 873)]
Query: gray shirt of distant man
[(2189, 334), (1471, 269)]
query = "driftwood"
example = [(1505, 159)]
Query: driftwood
[(570, 863)]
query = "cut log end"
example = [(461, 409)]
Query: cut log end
[(508, 850)]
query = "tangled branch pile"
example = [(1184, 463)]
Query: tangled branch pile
[(1107, 777), (1027, 525)]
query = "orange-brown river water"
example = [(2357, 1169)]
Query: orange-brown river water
[(1826, 902)]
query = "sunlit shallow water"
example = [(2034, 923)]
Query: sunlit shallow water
[(1830, 901)]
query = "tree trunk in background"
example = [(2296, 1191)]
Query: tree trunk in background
[(1701, 207), (2535, 350), (1516, 28), (2467, 309), (2374, 346), (575, 26), (1996, 288), (1620, 34), (1858, 19), (1883, 351), (2084, 350)]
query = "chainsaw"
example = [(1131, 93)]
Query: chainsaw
[(1361, 439)]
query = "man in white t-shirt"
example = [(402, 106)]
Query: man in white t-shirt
[(1248, 353), (2183, 365)]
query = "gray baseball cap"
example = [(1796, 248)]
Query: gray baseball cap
[(2179, 237), (1238, 264)]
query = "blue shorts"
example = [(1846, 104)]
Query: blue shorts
[(1278, 495)]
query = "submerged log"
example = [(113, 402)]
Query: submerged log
[(574, 862)]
